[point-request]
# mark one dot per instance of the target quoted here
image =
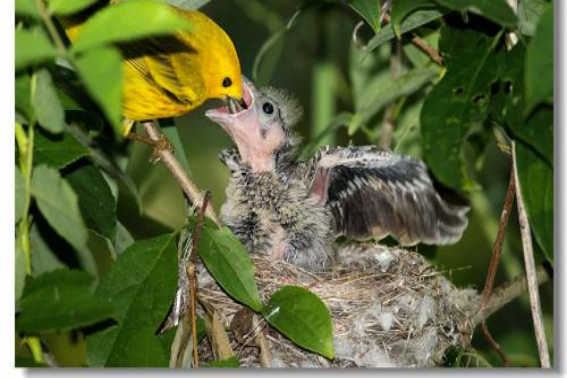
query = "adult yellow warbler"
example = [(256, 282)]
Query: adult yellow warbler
[(170, 76)]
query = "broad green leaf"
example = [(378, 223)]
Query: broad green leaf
[(102, 73), (537, 129), (20, 195), (68, 7), (57, 151), (128, 21), (22, 362), (23, 97), (47, 106), (229, 263), (380, 93), (20, 263), (529, 13), (458, 103), (59, 301), (228, 363), (141, 286), (32, 46), (369, 10), (186, 4), (536, 183), (495, 10), (27, 8), (123, 240), (59, 205), (303, 317), (403, 8), (413, 21), (539, 64), (43, 259), (267, 58), (96, 201)]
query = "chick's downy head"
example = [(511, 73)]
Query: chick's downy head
[(260, 128)]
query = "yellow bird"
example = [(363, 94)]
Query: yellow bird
[(172, 75)]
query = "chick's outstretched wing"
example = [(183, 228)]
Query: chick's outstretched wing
[(375, 193)]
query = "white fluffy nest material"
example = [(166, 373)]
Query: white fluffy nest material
[(390, 308)]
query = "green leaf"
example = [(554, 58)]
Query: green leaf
[(23, 97), (32, 46), (141, 286), (45, 100), (43, 259), (495, 10), (96, 201), (539, 64), (20, 194), (369, 10), (57, 151), (59, 205), (169, 129), (303, 317), (231, 362), (536, 183), (537, 129), (123, 240), (59, 301), (403, 8), (267, 58), (380, 93), (229, 263), (127, 21), (411, 22), (186, 4), (458, 104), (102, 73), (68, 7), (27, 8), (529, 13)]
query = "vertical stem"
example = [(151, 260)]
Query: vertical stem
[(530, 270)]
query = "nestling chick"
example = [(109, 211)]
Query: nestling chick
[(295, 210)]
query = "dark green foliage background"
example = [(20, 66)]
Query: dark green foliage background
[(93, 200)]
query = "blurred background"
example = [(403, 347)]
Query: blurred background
[(317, 61)]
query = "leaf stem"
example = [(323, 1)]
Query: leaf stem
[(50, 26), (25, 147)]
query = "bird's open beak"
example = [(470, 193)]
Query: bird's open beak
[(236, 106)]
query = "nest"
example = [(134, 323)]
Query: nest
[(389, 307)]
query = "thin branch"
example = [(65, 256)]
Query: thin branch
[(191, 273), (50, 26), (176, 169), (530, 270), (422, 45), (506, 293), (494, 261)]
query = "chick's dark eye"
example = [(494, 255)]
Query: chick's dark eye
[(268, 108), (226, 82)]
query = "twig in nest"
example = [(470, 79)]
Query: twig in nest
[(422, 45), (191, 274), (494, 261), (530, 269), (165, 154)]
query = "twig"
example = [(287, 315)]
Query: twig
[(191, 273), (506, 293), (422, 45), (530, 270), (494, 261), (176, 169)]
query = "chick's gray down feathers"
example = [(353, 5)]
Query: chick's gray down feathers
[(298, 209)]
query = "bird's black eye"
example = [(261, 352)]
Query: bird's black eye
[(268, 108), (226, 82)]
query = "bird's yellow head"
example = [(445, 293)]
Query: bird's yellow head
[(223, 78)]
